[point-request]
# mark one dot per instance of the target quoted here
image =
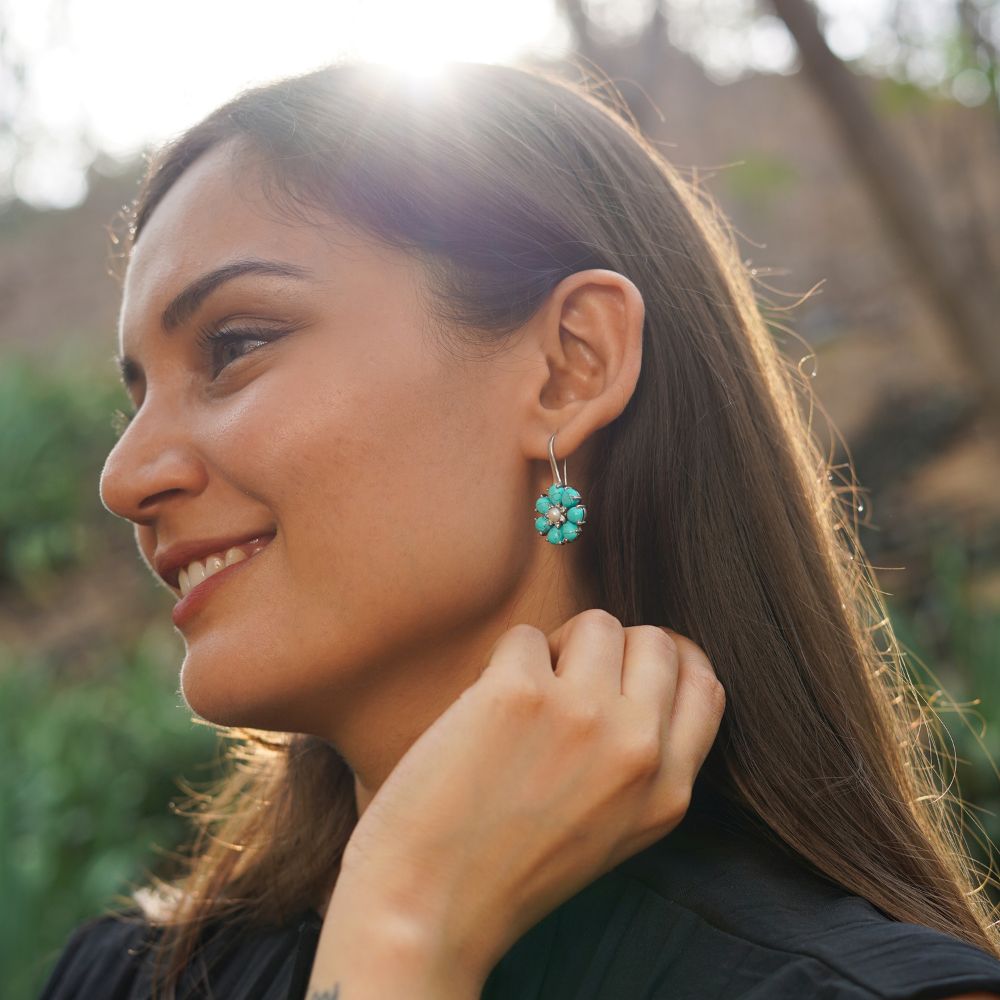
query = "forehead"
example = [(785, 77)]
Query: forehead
[(217, 212)]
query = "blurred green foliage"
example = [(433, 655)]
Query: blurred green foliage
[(91, 769), (952, 639), (94, 747), (55, 429)]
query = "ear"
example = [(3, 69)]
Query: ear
[(589, 333)]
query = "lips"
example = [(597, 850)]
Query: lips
[(191, 605), (169, 561)]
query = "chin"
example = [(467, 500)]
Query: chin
[(227, 697)]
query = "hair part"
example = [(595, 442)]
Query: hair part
[(724, 521)]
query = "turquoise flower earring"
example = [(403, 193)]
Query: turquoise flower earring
[(559, 513)]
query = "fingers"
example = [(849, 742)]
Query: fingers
[(521, 652), (699, 703), (587, 652), (633, 680), (652, 666), (649, 670), (595, 652)]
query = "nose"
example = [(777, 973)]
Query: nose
[(156, 459)]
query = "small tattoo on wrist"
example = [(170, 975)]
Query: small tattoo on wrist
[(333, 994)]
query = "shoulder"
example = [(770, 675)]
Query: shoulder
[(111, 955), (101, 956), (839, 951), (717, 911), (749, 919)]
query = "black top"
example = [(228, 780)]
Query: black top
[(714, 910)]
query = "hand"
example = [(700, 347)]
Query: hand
[(536, 781)]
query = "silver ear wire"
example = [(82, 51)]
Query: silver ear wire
[(561, 481), (559, 513)]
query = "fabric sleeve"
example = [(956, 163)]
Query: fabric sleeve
[(922, 977), (99, 961), (917, 964)]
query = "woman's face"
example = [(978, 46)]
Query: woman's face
[(393, 475)]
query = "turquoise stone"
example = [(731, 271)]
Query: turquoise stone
[(577, 515), (569, 497), (570, 531), (555, 536), (555, 493), (542, 504), (542, 524)]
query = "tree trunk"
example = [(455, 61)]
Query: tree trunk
[(967, 309)]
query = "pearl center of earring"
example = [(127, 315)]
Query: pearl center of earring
[(555, 515)]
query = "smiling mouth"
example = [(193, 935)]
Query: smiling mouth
[(200, 570), (199, 594)]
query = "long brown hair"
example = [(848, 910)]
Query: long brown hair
[(724, 518)]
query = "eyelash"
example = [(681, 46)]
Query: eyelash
[(207, 340), (209, 337)]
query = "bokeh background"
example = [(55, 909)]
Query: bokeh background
[(855, 145)]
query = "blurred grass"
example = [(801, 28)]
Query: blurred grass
[(94, 753)]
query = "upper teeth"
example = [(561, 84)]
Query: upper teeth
[(201, 569)]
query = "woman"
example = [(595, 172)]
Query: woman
[(457, 297)]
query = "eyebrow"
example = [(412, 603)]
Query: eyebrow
[(185, 304)]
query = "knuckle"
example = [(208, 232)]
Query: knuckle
[(672, 806), (643, 754), (658, 633), (521, 693), (710, 687), (677, 805), (719, 696), (687, 647), (599, 618), (524, 632), (584, 719)]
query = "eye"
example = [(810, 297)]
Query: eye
[(214, 343)]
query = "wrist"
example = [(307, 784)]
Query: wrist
[(372, 946)]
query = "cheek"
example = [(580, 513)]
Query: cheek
[(404, 515), (398, 497)]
